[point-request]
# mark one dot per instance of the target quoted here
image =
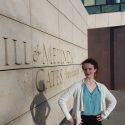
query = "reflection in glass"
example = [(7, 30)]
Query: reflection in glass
[(100, 2), (110, 8), (89, 2), (93, 9), (122, 1), (122, 7)]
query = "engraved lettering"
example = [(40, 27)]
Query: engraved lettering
[(53, 77), (25, 54), (59, 77), (6, 51), (54, 55), (49, 79), (15, 52), (45, 57), (36, 54)]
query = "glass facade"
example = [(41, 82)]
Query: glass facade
[(110, 8), (104, 6), (89, 2), (123, 7), (100, 2)]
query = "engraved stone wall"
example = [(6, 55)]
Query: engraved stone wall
[(42, 44)]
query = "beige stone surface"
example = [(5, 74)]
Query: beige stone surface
[(76, 36), (77, 4), (84, 44), (55, 79), (102, 20), (44, 16), (123, 18), (51, 51), (15, 45), (84, 27), (115, 19), (106, 20), (54, 3), (15, 94), (16, 9), (65, 28), (77, 19), (91, 21), (66, 8), (25, 119), (46, 50), (84, 14)]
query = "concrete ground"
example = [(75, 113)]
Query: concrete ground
[(117, 117)]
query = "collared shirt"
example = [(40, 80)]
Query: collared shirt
[(92, 101)]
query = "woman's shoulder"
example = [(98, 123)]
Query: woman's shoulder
[(77, 84), (100, 85)]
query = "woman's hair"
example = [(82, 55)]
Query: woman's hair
[(92, 62)]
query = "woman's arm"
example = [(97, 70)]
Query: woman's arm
[(63, 99), (111, 103)]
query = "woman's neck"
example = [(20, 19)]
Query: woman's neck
[(89, 81)]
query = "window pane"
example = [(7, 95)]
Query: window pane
[(117, 1), (110, 8), (94, 9), (122, 7), (110, 1), (122, 0), (99, 2), (89, 2)]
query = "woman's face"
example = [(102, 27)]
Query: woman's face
[(89, 70)]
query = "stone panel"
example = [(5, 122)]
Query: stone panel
[(102, 20), (15, 45), (15, 93), (25, 119), (66, 8), (91, 21), (77, 19), (44, 16), (51, 51), (54, 3), (106, 20), (84, 26), (84, 42), (76, 36), (123, 18), (46, 49), (115, 19), (53, 80), (16, 9), (65, 28), (77, 4), (84, 14)]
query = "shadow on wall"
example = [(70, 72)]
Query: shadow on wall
[(40, 108)]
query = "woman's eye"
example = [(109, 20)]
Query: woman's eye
[(90, 69)]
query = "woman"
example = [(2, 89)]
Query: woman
[(89, 107)]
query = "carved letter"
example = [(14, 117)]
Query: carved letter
[(45, 57), (6, 52), (15, 51), (25, 53)]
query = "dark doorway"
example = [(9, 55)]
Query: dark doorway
[(107, 46)]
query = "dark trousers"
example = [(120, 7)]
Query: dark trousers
[(90, 120)]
